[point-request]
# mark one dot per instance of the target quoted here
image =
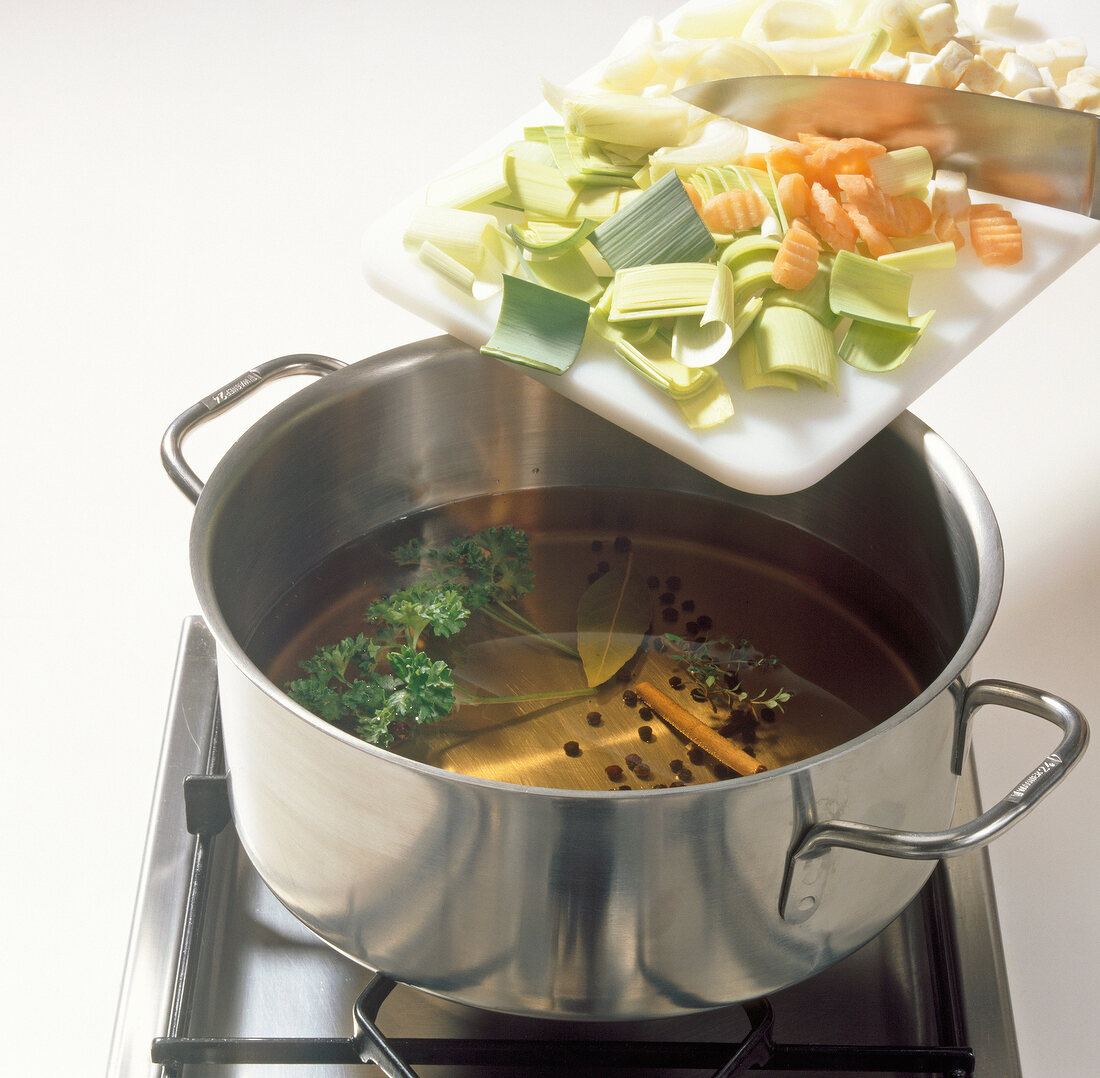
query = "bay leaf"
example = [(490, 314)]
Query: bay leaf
[(613, 616)]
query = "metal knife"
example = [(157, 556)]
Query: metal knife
[(1014, 149)]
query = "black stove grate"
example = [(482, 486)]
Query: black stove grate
[(208, 813)]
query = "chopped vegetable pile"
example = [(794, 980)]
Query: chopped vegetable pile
[(707, 261)]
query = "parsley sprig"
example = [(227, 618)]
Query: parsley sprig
[(384, 684)]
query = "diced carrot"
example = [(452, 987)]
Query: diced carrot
[(796, 260), (693, 194), (946, 228), (755, 160), (845, 156), (876, 241), (995, 235), (830, 222), (794, 195), (787, 157), (734, 211), (812, 141), (893, 215)]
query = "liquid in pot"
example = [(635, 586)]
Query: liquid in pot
[(849, 651)]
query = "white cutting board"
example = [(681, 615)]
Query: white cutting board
[(779, 441)]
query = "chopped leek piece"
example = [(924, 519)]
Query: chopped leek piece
[(599, 203), (462, 234), (476, 185), (655, 365), (709, 407), (579, 160), (793, 342), (659, 226), (868, 291), (876, 45), (752, 377), (745, 315), (569, 273), (746, 249), (538, 327), (720, 141), (901, 172), (458, 274), (929, 257), (675, 289), (703, 341), (645, 122), (881, 348), (539, 189), (549, 238)]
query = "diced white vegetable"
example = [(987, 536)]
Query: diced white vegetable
[(993, 52), (1069, 54), (1039, 95), (936, 26), (1090, 75), (1020, 74), (951, 62), (1080, 96), (950, 194), (1038, 52), (714, 18), (995, 14), (921, 74), (891, 66), (631, 64), (981, 76)]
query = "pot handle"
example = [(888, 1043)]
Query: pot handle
[(808, 866), (171, 446)]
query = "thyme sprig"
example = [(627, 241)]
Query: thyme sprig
[(716, 668)]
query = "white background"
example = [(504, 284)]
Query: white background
[(183, 189)]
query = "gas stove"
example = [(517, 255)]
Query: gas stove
[(221, 980)]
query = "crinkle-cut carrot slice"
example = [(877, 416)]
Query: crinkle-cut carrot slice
[(794, 195), (877, 242), (856, 73), (787, 157), (734, 211), (995, 235), (845, 156), (812, 141), (796, 260), (894, 215), (830, 222), (946, 229), (693, 194)]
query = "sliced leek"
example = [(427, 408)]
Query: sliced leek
[(752, 377), (660, 291), (708, 408), (868, 291), (539, 189), (931, 256), (538, 327), (454, 271), (645, 122), (659, 226), (549, 238), (476, 185), (881, 348), (702, 341), (790, 341), (465, 235), (904, 171)]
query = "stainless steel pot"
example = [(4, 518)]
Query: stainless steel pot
[(569, 903)]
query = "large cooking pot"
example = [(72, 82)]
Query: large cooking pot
[(560, 902)]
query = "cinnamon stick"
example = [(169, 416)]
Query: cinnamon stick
[(697, 732)]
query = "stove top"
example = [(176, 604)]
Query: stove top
[(221, 980)]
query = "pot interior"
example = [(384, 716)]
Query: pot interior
[(871, 588)]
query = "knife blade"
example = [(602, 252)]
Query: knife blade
[(1014, 149)]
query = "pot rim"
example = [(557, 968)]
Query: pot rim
[(943, 461)]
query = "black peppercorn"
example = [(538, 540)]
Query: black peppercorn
[(676, 765), (652, 582), (614, 772), (622, 544), (630, 698), (696, 755), (645, 713), (594, 718), (670, 614), (666, 598), (684, 774), (642, 771), (703, 621), (645, 733), (633, 760), (572, 748)]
